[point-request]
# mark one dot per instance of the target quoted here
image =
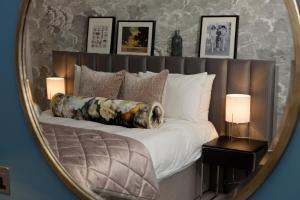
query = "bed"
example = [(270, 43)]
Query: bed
[(174, 133), (180, 166)]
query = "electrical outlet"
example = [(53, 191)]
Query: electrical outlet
[(4, 180)]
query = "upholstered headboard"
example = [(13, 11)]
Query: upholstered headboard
[(253, 77)]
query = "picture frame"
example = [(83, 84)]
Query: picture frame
[(136, 37), (100, 35), (219, 36)]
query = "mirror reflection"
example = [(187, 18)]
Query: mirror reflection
[(136, 98)]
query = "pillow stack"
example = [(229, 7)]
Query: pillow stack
[(184, 97), (119, 85)]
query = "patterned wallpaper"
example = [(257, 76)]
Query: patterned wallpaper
[(264, 31)]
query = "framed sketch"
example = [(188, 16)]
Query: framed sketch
[(100, 35), (218, 36), (136, 37)]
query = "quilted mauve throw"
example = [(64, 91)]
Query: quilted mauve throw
[(101, 161)]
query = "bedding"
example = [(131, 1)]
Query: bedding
[(108, 111), (100, 84), (183, 95), (173, 146), (101, 161), (146, 89)]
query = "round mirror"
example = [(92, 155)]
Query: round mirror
[(131, 99)]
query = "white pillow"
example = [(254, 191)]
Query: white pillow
[(77, 72), (206, 96), (183, 95)]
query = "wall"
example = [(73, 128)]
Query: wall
[(32, 178), (30, 175), (264, 31)]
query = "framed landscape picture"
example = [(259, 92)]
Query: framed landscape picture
[(100, 34), (136, 37), (218, 36)]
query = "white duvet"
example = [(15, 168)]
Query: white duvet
[(174, 146)]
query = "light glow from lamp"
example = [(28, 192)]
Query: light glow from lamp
[(238, 108), (55, 85)]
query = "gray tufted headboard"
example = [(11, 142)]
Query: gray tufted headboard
[(253, 77)]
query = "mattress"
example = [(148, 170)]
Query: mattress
[(173, 147)]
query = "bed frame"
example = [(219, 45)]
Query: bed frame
[(254, 77)]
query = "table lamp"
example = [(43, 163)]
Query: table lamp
[(55, 85), (237, 109)]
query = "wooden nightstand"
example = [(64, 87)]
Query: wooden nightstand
[(236, 153)]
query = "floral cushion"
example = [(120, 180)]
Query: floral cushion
[(108, 111)]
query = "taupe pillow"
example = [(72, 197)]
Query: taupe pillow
[(144, 89), (100, 84)]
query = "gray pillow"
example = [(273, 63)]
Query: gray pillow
[(146, 90), (100, 84)]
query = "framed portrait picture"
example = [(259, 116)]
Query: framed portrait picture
[(218, 36), (136, 37), (100, 34)]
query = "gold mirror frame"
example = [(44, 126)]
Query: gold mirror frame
[(285, 129)]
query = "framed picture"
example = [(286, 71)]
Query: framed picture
[(218, 36), (100, 35), (136, 37)]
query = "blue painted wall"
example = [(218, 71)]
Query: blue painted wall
[(32, 178)]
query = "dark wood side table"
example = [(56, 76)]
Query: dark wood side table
[(236, 153)]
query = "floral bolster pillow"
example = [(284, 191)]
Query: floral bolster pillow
[(108, 111)]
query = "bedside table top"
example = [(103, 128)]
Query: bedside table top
[(236, 144)]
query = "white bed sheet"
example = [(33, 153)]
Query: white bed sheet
[(173, 147)]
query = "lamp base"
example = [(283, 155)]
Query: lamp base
[(234, 130)]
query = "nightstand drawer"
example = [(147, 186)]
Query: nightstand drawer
[(227, 158)]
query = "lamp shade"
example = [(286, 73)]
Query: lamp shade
[(238, 108), (55, 85)]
